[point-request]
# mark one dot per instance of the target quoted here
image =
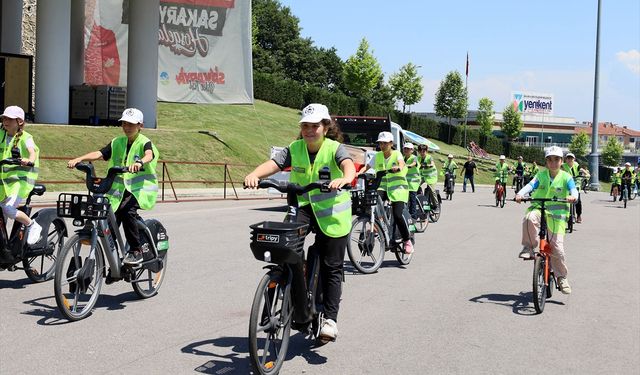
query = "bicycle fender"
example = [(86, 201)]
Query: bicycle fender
[(45, 217)]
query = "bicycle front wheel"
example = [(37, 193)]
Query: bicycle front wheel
[(434, 213), (539, 284), (78, 278), (422, 218), (366, 245), (41, 267), (270, 324), (402, 257)]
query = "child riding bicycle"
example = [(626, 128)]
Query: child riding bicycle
[(413, 176), (550, 183), (450, 167), (626, 180), (136, 189), (502, 173), (18, 180), (573, 168), (329, 213)]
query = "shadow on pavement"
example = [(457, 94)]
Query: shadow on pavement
[(52, 316), (488, 205), (521, 303), (237, 362), (272, 209), (15, 284)]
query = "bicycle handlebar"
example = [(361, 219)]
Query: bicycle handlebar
[(14, 161), (554, 199), (288, 187), (100, 185)]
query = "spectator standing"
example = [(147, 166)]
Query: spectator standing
[(469, 169)]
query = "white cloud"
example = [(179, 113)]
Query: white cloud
[(630, 59)]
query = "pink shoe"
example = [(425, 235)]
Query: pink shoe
[(408, 247)]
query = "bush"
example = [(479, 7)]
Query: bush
[(281, 91)]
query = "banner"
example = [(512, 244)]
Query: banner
[(204, 49), (532, 103)]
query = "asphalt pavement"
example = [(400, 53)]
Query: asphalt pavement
[(462, 306)]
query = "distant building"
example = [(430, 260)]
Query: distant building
[(628, 137)]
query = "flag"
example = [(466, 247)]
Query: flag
[(467, 70)]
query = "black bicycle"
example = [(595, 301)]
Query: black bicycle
[(519, 181), (449, 184), (429, 207), (81, 266), (287, 295), (374, 231), (38, 260)]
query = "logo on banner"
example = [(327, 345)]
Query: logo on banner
[(186, 24), (534, 103), (201, 81), (164, 78)]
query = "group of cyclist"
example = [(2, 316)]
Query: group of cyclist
[(625, 179), (129, 192)]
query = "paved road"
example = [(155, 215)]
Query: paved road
[(462, 306)]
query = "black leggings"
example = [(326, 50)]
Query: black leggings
[(397, 208), (331, 252), (127, 215)]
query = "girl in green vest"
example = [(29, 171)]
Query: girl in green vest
[(18, 180), (552, 182), (394, 186), (136, 189), (413, 176), (318, 148), (572, 167)]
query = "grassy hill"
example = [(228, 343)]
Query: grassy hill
[(243, 135)]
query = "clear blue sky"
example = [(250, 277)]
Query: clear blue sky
[(545, 46)]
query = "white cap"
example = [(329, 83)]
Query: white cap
[(502, 157), (627, 164), (13, 112), (408, 145), (519, 157), (385, 137), (450, 156), (553, 151), (314, 113), (132, 115), (570, 155)]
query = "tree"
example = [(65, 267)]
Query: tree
[(612, 152), (383, 95), (362, 72), (511, 122), (485, 116), (451, 99), (579, 144), (407, 85)]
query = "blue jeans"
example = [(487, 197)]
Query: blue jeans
[(464, 183), (413, 201)]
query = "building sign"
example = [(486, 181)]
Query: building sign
[(532, 103), (204, 49)]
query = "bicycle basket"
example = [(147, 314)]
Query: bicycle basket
[(284, 241), (82, 206)]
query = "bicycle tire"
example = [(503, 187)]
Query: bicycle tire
[(278, 321), (55, 243), (422, 218), (92, 278), (436, 208), (363, 244), (402, 257), (571, 218), (539, 285), (154, 279)]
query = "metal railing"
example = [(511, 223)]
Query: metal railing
[(166, 179)]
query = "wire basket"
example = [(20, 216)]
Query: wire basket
[(277, 242), (82, 206), (361, 200)]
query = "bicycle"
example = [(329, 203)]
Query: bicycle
[(429, 208), (375, 224), (287, 295), (501, 194), (81, 266), (519, 180), (38, 260), (571, 220), (626, 184), (449, 184), (543, 275)]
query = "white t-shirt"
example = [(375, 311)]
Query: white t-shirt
[(29, 142)]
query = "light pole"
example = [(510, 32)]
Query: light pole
[(594, 156)]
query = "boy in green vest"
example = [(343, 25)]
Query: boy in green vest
[(136, 189), (572, 167), (18, 180), (413, 176), (329, 213), (552, 182)]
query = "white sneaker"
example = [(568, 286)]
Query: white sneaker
[(34, 232), (526, 253), (564, 286), (329, 330)]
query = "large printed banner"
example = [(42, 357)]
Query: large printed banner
[(204, 49), (532, 103)]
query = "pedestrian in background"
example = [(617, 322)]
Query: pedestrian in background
[(469, 168)]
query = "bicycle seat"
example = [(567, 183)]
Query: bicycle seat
[(38, 190)]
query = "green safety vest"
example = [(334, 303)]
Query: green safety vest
[(413, 173), (450, 166), (557, 212), (143, 185), (616, 179), (534, 170), (573, 172), (395, 184), (18, 180), (502, 172), (428, 172), (333, 209)]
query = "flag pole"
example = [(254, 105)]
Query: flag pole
[(466, 80)]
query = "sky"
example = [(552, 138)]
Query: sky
[(543, 46)]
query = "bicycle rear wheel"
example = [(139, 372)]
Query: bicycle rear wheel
[(78, 278), (366, 245), (539, 285), (270, 324), (422, 216), (41, 267), (402, 257), (436, 207)]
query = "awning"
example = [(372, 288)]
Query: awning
[(420, 140)]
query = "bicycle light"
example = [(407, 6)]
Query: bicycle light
[(267, 256)]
